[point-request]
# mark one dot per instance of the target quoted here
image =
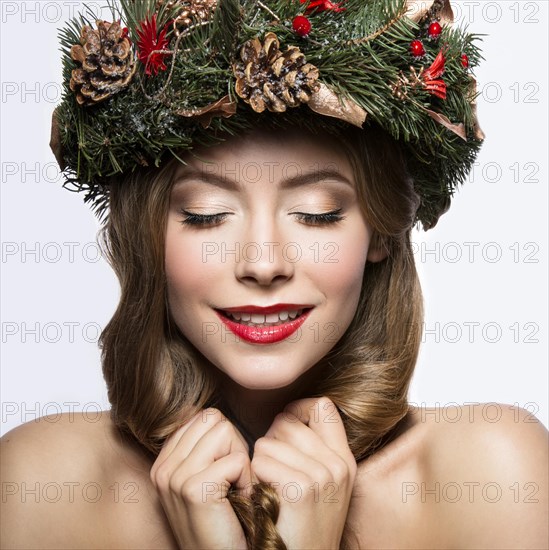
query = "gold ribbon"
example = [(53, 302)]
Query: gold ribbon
[(55, 141), (459, 129), (326, 102), (223, 107), (479, 134)]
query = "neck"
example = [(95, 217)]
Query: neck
[(253, 411)]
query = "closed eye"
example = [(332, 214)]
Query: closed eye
[(325, 218), (202, 219)]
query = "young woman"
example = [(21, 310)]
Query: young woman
[(259, 361)]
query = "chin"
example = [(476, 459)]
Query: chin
[(264, 385), (262, 376)]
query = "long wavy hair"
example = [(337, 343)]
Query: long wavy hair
[(157, 380)]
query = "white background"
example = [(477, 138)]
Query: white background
[(486, 301)]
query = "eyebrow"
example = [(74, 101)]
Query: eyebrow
[(309, 178)]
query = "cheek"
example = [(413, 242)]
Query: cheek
[(341, 280), (188, 267), (345, 259)]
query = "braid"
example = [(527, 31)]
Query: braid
[(244, 513), (258, 515), (266, 506)]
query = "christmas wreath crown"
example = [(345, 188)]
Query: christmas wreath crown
[(166, 74)]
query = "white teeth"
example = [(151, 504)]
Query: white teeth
[(270, 318), (257, 318)]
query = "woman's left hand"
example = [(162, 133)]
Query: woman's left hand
[(306, 456)]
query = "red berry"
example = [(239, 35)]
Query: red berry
[(301, 25), (417, 49), (434, 30), (465, 61)]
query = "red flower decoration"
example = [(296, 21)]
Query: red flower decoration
[(430, 77), (323, 5), (150, 41)]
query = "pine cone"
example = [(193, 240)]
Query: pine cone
[(267, 78), (106, 62), (192, 12)]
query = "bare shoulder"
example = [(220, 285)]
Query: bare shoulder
[(484, 431), (47, 440), (474, 476), (488, 465), (71, 481)]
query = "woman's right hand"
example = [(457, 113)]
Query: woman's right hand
[(192, 475)]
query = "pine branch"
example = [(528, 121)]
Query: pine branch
[(362, 54), (225, 30)]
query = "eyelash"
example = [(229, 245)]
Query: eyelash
[(202, 219), (326, 218)]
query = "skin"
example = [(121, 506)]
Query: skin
[(202, 274), (431, 450), (386, 500), (262, 207)]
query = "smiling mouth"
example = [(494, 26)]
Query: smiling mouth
[(264, 320)]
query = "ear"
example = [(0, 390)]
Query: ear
[(376, 254), (377, 249)]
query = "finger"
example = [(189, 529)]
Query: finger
[(313, 465), (321, 415), (213, 483), (282, 477), (184, 439), (321, 464), (172, 441), (220, 440), (202, 498), (211, 417), (287, 427)]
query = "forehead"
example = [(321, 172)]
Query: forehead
[(280, 154)]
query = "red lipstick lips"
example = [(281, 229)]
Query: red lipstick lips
[(268, 334)]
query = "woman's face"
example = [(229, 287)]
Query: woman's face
[(260, 246)]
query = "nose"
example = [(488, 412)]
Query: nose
[(266, 259)]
